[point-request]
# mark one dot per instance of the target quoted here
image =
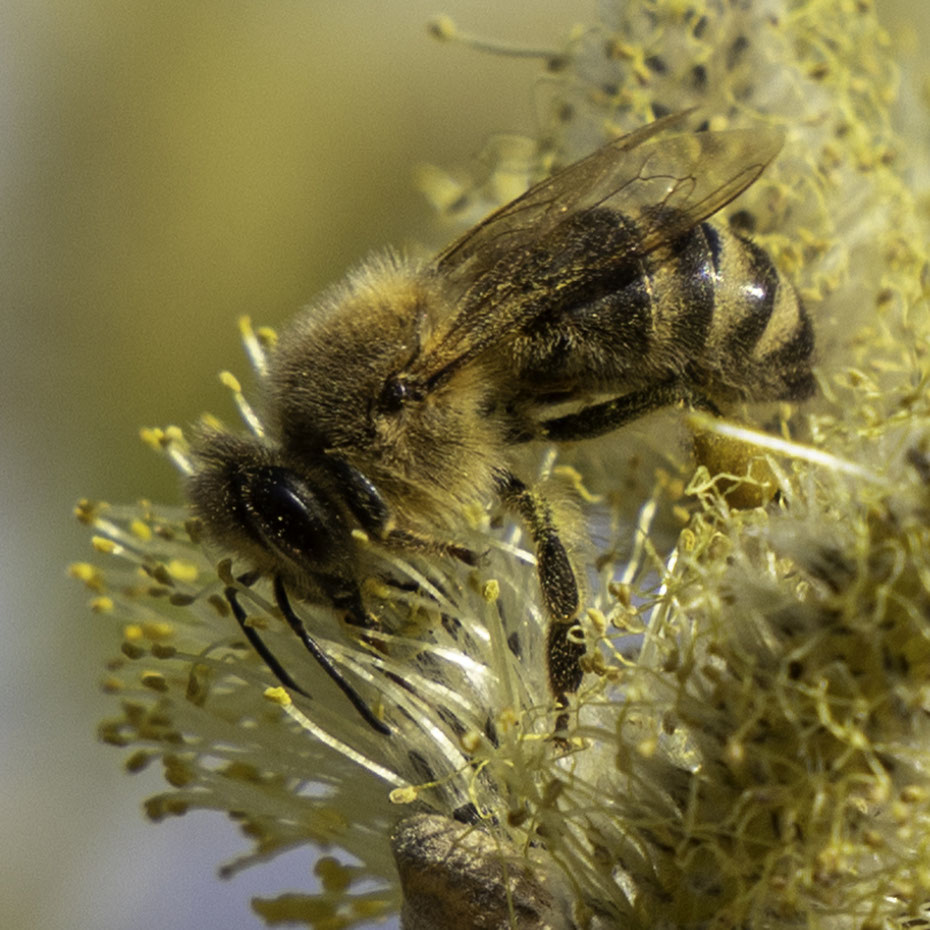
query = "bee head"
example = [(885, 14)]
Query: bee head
[(282, 520)]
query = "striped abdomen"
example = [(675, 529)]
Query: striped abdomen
[(709, 309), (749, 334)]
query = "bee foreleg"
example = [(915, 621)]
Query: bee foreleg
[(344, 595), (558, 583), (369, 507), (605, 417)]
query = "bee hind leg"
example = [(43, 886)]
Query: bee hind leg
[(598, 419), (559, 588)]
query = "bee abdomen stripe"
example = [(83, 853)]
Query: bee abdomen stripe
[(792, 356), (714, 244), (799, 345), (760, 296), (691, 263)]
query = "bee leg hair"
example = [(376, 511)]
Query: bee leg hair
[(558, 584), (414, 542)]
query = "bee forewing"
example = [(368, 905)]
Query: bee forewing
[(661, 186), (550, 201)]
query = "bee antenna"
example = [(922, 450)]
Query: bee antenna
[(258, 644), (323, 660), (278, 670)]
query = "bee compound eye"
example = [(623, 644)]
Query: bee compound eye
[(292, 517)]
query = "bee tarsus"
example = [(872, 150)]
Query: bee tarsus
[(557, 582)]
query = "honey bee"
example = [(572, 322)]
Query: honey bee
[(397, 400)]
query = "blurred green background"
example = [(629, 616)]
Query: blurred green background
[(164, 168)]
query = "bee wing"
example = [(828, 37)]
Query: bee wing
[(549, 202), (662, 188)]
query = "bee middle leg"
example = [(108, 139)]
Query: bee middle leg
[(371, 510), (598, 419), (559, 588)]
